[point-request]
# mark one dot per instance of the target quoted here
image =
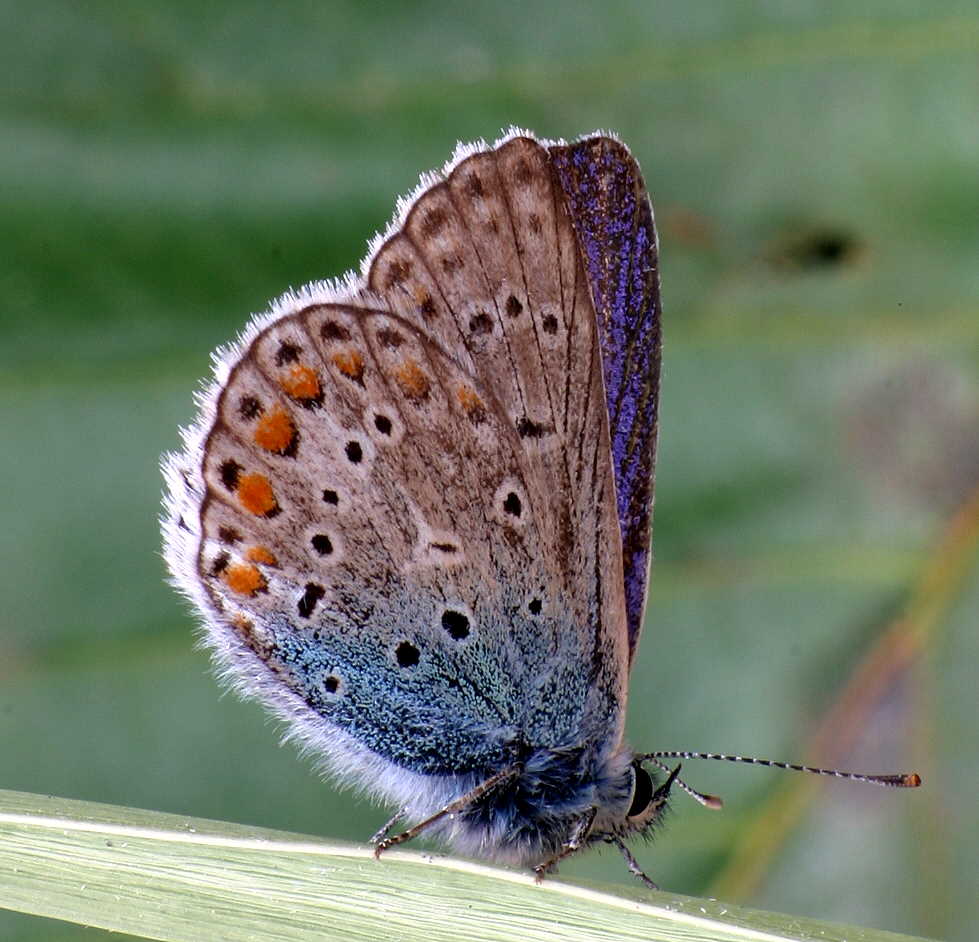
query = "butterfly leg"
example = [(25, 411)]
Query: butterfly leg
[(453, 807), (658, 800), (573, 844), (632, 863), (382, 832)]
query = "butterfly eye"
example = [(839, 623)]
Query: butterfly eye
[(642, 792)]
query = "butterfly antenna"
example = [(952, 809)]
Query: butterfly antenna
[(708, 801), (897, 780)]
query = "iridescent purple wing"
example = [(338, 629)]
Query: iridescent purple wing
[(613, 221)]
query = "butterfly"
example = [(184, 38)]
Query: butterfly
[(414, 511)]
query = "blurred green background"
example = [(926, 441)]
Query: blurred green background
[(166, 168)]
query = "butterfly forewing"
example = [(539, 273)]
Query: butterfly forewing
[(492, 255), (539, 233), (613, 220)]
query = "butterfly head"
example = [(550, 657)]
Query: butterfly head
[(641, 812), (648, 798)]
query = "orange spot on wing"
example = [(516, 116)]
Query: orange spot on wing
[(301, 382), (350, 363), (412, 379), (261, 554), (256, 495), (275, 431), (468, 398), (474, 407), (244, 578)]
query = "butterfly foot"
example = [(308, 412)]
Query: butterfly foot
[(382, 832), (646, 882), (632, 863)]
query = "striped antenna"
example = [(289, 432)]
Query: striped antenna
[(708, 801), (897, 780)]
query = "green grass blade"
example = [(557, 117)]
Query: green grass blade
[(161, 876)]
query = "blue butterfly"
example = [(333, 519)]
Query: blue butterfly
[(414, 512)]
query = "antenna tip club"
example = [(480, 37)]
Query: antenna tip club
[(912, 780)]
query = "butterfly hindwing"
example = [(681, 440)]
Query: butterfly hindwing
[(400, 591)]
